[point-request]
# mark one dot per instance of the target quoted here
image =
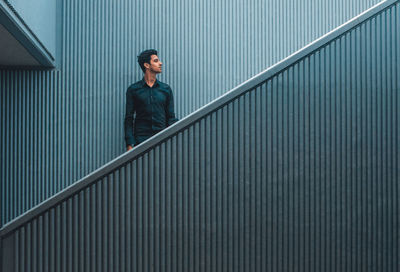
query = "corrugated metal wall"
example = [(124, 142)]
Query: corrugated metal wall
[(58, 126), (298, 174)]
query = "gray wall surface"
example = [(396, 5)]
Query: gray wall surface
[(58, 126), (298, 172), (40, 17)]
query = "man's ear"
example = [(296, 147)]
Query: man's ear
[(146, 65)]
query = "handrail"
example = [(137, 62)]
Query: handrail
[(193, 117)]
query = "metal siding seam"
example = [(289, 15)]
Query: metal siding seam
[(290, 153), (62, 256), (156, 204), (363, 151), (302, 138), (179, 195), (328, 122), (27, 126), (355, 153), (150, 211), (213, 204), (378, 143), (317, 157), (241, 181), (187, 198), (110, 222), (49, 232), (2, 147), (145, 211), (163, 208), (393, 126), (369, 28), (40, 247), (88, 235), (35, 255), (385, 149), (390, 128), (97, 265), (18, 163), (46, 241), (79, 215), (74, 233), (256, 177), (11, 158), (253, 169), (6, 155), (117, 231), (190, 191), (128, 215), (28, 247), (17, 251), (139, 226), (280, 166), (38, 135), (245, 179), (370, 87), (397, 127), (123, 222), (249, 194), (53, 244), (191, 188), (57, 244), (392, 45), (275, 205), (235, 181), (220, 210), (202, 196), (170, 209), (228, 117)]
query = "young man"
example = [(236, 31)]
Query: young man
[(149, 102)]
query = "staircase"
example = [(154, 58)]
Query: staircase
[(296, 169)]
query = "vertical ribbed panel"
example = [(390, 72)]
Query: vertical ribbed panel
[(299, 174), (58, 126)]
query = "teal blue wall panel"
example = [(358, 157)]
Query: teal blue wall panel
[(296, 171), (40, 17), (58, 126)]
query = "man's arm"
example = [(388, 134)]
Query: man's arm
[(128, 122), (170, 109)]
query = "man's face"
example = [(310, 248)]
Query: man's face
[(155, 65)]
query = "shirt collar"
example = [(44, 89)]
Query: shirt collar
[(145, 84)]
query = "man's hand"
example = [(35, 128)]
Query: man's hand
[(129, 147)]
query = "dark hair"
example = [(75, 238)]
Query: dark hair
[(145, 57)]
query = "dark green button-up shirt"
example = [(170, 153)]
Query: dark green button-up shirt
[(148, 110)]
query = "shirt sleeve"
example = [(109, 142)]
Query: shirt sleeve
[(170, 109), (128, 122)]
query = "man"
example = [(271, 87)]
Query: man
[(149, 102)]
